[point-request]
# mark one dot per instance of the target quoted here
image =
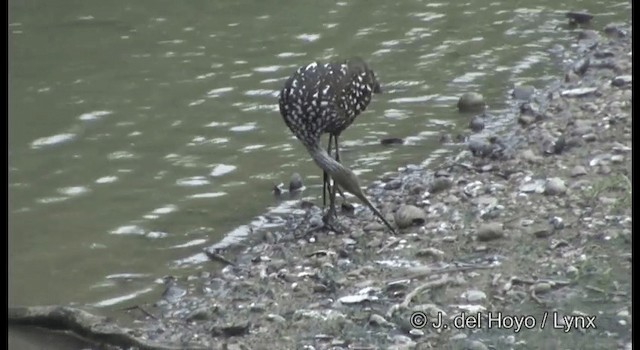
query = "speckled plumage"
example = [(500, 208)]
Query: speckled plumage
[(326, 98)]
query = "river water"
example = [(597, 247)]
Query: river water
[(142, 131)]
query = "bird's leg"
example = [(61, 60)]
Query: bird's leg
[(326, 186), (330, 218), (335, 187)]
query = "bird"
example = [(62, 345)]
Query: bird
[(321, 98)]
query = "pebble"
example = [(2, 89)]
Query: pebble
[(525, 119), (621, 80), (475, 345), (579, 92), (276, 318), (579, 17), (378, 320), (409, 215), (490, 231), (590, 137), (373, 226), (529, 156), (476, 124), (295, 184), (393, 185), (523, 92), (471, 102), (541, 231), (474, 296), (555, 186), (617, 158), (440, 184), (578, 170), (542, 287), (392, 141)]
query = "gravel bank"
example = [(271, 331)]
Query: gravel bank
[(522, 241)]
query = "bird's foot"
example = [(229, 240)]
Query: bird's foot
[(329, 222)]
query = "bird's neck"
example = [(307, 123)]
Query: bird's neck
[(324, 160)]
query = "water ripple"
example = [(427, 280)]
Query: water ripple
[(217, 92), (412, 99), (308, 37), (94, 115), (222, 169), (290, 54), (244, 127), (192, 181), (52, 140), (267, 69), (129, 230), (73, 190), (208, 195)]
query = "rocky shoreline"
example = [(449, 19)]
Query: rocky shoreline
[(513, 242)]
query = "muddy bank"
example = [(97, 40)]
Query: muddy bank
[(534, 223)]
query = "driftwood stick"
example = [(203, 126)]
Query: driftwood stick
[(86, 325)]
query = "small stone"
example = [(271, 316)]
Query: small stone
[(490, 231), (475, 345), (529, 156), (393, 185), (316, 221), (572, 271), (579, 92), (476, 124), (542, 287), (588, 34), (471, 102), (392, 141), (533, 186), (579, 17), (440, 184), (617, 158), (295, 184), (402, 339), (557, 223), (578, 170), (200, 314), (613, 29), (525, 119), (523, 92), (621, 80), (590, 137), (451, 199), (378, 320), (231, 329), (555, 186), (276, 318), (604, 169), (437, 254), (442, 173), (541, 231), (581, 66), (409, 215), (480, 148), (373, 226), (571, 76), (474, 296), (416, 333)]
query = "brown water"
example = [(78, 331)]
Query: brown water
[(143, 131)]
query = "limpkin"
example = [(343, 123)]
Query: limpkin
[(324, 98)]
